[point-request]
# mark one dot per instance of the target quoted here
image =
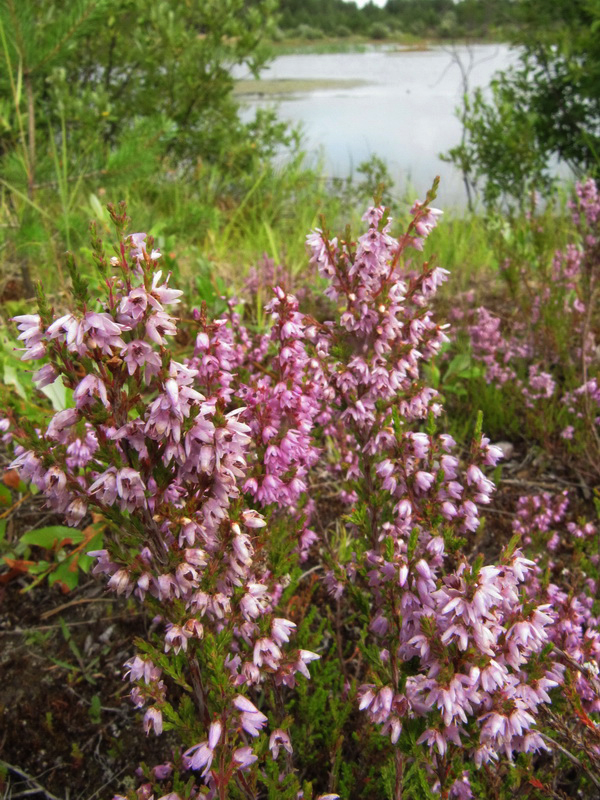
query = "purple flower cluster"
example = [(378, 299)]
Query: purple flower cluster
[(552, 329), (463, 628), (157, 446), (206, 467), (568, 591)]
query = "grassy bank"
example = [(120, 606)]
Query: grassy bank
[(221, 228), (396, 42), (351, 44)]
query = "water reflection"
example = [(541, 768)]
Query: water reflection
[(402, 108)]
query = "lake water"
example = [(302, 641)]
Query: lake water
[(403, 109)]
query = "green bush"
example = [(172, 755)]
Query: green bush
[(308, 32), (379, 30)]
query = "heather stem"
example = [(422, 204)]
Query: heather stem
[(198, 687), (399, 774)]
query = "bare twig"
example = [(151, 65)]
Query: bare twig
[(573, 759), (80, 602), (104, 785), (587, 673), (25, 631), (22, 774)]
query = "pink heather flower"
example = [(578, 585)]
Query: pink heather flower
[(90, 388), (130, 488), (138, 354), (281, 630), (137, 244), (447, 442), (251, 718), (32, 335), (252, 519), (243, 549), (279, 739), (424, 481), (249, 607), (133, 307), (304, 658), (30, 327), (153, 721), (166, 587), (176, 638), (220, 606), (120, 583), (56, 481), (266, 652), (461, 788), (105, 487), (366, 696), (434, 738), (162, 293), (76, 511), (427, 218), (243, 757), (161, 772), (102, 332), (45, 376), (80, 451), (141, 669), (199, 756), (214, 734), (194, 628), (61, 422), (159, 325)]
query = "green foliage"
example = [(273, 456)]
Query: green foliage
[(375, 181), (545, 108), (416, 785), (53, 537), (379, 31), (502, 154), (65, 556), (440, 18), (100, 68), (90, 85), (95, 710)]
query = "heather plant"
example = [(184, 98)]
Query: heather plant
[(164, 464), (456, 661), (540, 353), (565, 549), (210, 468)]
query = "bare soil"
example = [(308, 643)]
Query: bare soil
[(67, 729)]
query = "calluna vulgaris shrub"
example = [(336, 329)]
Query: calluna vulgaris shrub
[(545, 353), (215, 471)]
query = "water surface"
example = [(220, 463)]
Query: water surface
[(399, 105)]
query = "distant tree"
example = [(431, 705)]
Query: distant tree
[(545, 108), (116, 86), (98, 68)]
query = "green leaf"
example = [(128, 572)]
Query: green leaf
[(12, 379), (98, 210), (85, 561), (5, 496), (95, 709), (59, 395), (459, 364), (66, 572), (38, 567), (51, 536), (412, 542)]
